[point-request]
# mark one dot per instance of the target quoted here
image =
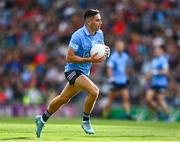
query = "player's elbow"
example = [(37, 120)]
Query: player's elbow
[(68, 59), (70, 56), (165, 72)]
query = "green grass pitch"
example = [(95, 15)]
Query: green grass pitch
[(69, 130)]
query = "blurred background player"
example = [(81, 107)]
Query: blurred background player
[(77, 70), (158, 79), (117, 70)]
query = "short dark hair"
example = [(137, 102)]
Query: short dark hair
[(90, 13)]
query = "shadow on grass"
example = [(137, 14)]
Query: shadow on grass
[(17, 138)]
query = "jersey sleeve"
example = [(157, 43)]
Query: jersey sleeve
[(75, 41)]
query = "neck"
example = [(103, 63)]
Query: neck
[(120, 52), (91, 31)]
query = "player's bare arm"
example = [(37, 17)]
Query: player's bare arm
[(71, 57), (164, 71)]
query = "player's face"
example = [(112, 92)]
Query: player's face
[(96, 22), (119, 45), (158, 51)]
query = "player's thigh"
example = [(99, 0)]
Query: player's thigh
[(150, 94), (112, 94), (84, 83), (69, 91), (124, 93)]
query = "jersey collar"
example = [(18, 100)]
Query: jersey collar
[(86, 30)]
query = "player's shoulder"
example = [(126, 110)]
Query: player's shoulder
[(99, 32), (125, 54), (114, 55), (164, 58), (78, 32)]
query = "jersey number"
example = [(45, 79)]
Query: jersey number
[(86, 54)]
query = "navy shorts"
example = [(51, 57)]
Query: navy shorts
[(117, 86), (159, 89), (72, 75)]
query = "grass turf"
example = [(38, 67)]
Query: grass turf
[(69, 130)]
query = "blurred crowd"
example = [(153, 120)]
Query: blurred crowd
[(34, 35)]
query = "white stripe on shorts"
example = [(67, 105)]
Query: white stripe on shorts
[(71, 75)]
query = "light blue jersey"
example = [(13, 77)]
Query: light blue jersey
[(157, 64), (81, 42), (118, 62)]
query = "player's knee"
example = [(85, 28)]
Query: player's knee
[(95, 92), (126, 97)]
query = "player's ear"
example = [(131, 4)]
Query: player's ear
[(88, 21)]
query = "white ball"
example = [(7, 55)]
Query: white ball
[(99, 49)]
